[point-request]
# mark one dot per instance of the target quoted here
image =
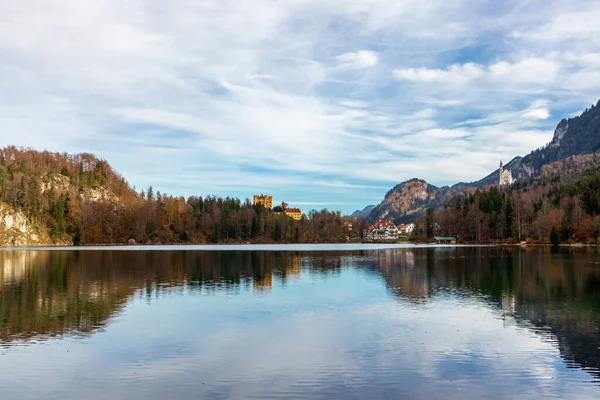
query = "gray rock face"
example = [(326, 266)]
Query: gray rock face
[(559, 133)]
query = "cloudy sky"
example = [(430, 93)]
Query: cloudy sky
[(319, 103)]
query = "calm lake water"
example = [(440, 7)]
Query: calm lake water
[(301, 323)]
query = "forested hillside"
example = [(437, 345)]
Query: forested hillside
[(564, 198), (79, 199)]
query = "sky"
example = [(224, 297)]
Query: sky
[(318, 103)]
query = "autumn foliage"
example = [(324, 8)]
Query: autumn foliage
[(81, 199)]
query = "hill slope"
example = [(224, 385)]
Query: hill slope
[(43, 195)]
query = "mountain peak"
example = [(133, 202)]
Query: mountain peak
[(408, 200)]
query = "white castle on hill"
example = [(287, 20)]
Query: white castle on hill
[(506, 177)]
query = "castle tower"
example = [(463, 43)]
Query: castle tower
[(266, 201), (505, 176)]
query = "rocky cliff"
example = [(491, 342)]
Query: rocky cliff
[(17, 230)]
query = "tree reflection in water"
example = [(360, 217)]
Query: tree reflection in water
[(49, 293)]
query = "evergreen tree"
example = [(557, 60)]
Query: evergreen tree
[(429, 223), (554, 237), (150, 194), (508, 215), (255, 229), (21, 200), (278, 233)]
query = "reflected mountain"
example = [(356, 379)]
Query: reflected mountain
[(49, 293), (555, 295)]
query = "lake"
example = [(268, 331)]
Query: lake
[(300, 322)]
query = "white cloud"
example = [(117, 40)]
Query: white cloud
[(537, 113), (358, 59), (455, 74), (527, 71)]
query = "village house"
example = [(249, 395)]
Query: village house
[(383, 230), (387, 230), (407, 229)]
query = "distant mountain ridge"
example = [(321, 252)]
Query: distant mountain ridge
[(364, 213), (407, 201)]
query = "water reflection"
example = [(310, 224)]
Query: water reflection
[(44, 294), (48, 293), (557, 294)]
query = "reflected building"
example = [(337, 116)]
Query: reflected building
[(508, 305), (294, 267), (263, 284)]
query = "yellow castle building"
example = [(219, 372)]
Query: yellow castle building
[(266, 201), (294, 213)]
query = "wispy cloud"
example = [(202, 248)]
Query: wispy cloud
[(235, 97)]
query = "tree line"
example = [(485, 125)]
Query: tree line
[(81, 199), (560, 206)]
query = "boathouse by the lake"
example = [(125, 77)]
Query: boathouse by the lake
[(445, 239)]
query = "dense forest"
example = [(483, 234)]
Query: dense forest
[(561, 205), (80, 199)]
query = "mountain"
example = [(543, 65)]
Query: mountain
[(408, 200), (364, 213), (561, 204), (573, 136)]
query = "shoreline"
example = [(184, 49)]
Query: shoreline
[(243, 247), (276, 246)]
